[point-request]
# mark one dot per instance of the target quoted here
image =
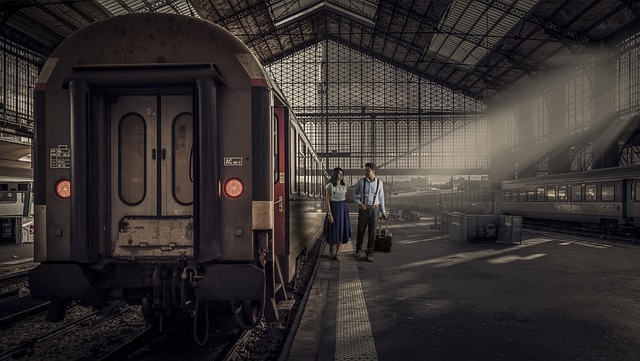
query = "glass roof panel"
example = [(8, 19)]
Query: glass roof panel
[(121, 7), (284, 11), (470, 29)]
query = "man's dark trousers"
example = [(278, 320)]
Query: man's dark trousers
[(367, 218)]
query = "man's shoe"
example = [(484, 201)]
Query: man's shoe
[(357, 254), (370, 258)]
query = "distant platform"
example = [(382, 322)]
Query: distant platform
[(15, 258)]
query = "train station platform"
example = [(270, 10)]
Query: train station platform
[(553, 297)]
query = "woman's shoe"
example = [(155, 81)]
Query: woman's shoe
[(331, 251), (338, 252)]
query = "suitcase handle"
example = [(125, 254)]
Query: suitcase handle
[(386, 225)]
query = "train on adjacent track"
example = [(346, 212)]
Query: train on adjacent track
[(16, 198), (605, 200), (169, 172)]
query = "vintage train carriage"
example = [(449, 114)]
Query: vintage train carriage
[(157, 156), (603, 198)]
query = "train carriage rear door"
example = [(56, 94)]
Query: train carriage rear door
[(152, 176)]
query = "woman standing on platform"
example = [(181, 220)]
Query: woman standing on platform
[(337, 227)]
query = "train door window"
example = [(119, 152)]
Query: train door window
[(590, 192), (131, 159), (523, 195), (320, 180), (8, 197), (576, 193), (607, 192), (540, 194), (552, 194), (313, 177), (182, 159), (309, 171), (301, 167), (531, 195), (562, 194)]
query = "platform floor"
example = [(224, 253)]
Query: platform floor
[(554, 297), (15, 258)]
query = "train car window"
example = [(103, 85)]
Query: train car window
[(523, 195), (182, 167), (607, 193), (8, 197), (576, 193), (309, 172), (590, 192), (313, 177), (540, 194), (301, 168), (562, 194), (552, 194), (293, 160), (531, 195), (637, 190), (132, 162)]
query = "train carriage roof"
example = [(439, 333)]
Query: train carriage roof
[(590, 176)]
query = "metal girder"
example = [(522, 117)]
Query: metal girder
[(33, 51), (272, 34), (51, 13), (557, 31), (499, 84), (262, 6)]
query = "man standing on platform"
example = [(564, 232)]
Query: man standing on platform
[(370, 200)]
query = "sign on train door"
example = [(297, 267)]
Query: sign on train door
[(152, 176)]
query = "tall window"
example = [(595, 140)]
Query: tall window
[(579, 98), (511, 128)]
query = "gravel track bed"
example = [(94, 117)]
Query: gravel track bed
[(98, 335), (91, 338), (266, 341)]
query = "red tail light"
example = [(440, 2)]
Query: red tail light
[(233, 188), (63, 188)]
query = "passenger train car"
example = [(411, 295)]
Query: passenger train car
[(168, 173), (16, 210), (16, 179), (606, 199)]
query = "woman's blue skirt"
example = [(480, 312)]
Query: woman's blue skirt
[(340, 229)]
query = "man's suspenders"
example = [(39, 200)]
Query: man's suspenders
[(364, 184)]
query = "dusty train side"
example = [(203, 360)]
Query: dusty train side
[(155, 166)]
